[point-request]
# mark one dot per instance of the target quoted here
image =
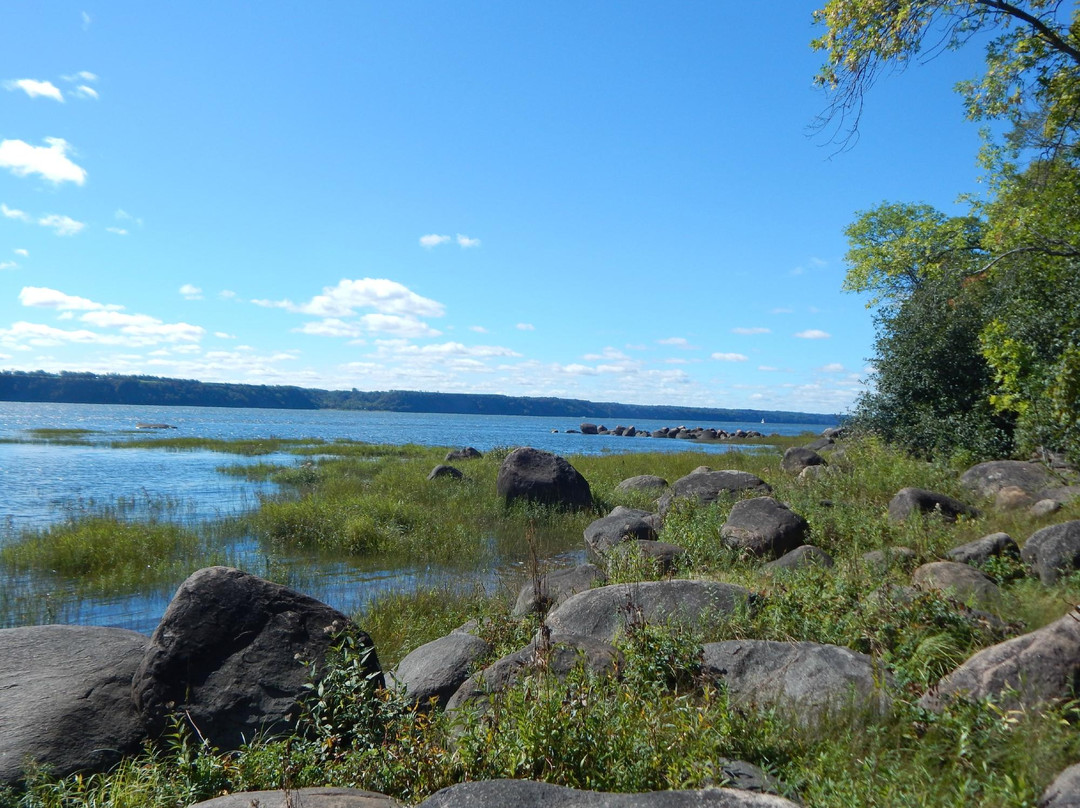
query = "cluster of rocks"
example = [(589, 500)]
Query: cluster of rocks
[(233, 653), (680, 432)]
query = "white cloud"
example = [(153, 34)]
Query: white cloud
[(145, 329), (754, 330), (224, 335), (768, 368), (479, 329), (228, 294), (678, 342), (385, 296), (122, 215), (730, 357), (50, 161), (465, 242), (191, 292), (36, 89), (525, 327), (82, 75), (813, 333), (433, 240), (331, 327), (608, 353), (117, 230), (7, 265), (82, 91), (13, 213), (22, 252), (398, 325), (86, 20), (45, 298), (833, 367), (61, 225)]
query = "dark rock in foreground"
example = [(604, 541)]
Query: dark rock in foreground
[(65, 698), (536, 476), (229, 656), (528, 794), (765, 527)]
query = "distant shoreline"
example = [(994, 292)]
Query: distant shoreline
[(90, 388)]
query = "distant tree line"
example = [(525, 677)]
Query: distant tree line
[(90, 388)]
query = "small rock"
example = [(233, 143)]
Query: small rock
[(960, 581), (1053, 551), (798, 458), (437, 669), (464, 453), (910, 501), (982, 550), (765, 527), (553, 588), (1044, 507), (445, 471), (800, 557), (643, 482)]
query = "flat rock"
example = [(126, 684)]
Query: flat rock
[(806, 556), (765, 527), (552, 588), (959, 581), (808, 679), (464, 453), (65, 698), (1053, 551), (798, 458), (603, 613), (445, 471), (229, 655), (912, 501), (982, 550), (706, 487), (535, 476), (1027, 671), (643, 482), (435, 670), (986, 479), (1064, 792), (528, 794), (302, 798)]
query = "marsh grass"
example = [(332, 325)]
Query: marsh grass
[(58, 436), (248, 448)]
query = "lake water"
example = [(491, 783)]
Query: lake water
[(45, 483)]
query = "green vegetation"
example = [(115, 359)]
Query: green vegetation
[(978, 348), (660, 725), (53, 435)]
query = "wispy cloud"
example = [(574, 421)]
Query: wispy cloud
[(85, 91), (61, 225), (119, 231), (678, 342), (36, 89), (191, 292), (479, 329), (754, 330), (50, 161), (833, 367), (43, 297), (86, 20), (224, 335), (227, 294), (82, 76), (730, 357), (7, 265), (383, 295), (13, 213), (465, 242), (433, 240), (768, 368), (609, 353), (525, 327), (813, 333), (782, 311), (22, 252)]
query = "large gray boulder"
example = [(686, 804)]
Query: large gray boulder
[(765, 527), (706, 487), (65, 698), (798, 458), (557, 656), (603, 613), (986, 479), (960, 581), (982, 550), (1064, 792), (435, 670), (302, 798), (528, 794), (603, 534), (536, 476), (918, 501), (1053, 551), (232, 655), (805, 679), (1027, 671), (552, 588)]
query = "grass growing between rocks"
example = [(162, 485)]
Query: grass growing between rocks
[(659, 725)]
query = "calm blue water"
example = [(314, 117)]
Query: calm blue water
[(42, 483)]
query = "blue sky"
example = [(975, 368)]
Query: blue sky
[(618, 201)]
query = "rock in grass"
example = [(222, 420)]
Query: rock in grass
[(798, 458), (706, 487), (535, 476), (982, 550), (1064, 792), (1044, 507), (807, 679), (918, 501), (65, 698), (302, 798), (801, 557), (959, 581), (529, 794), (1027, 671), (1053, 551), (232, 655), (443, 470), (881, 560), (437, 669), (605, 612), (603, 534), (643, 482), (986, 479), (765, 527), (464, 453), (552, 588)]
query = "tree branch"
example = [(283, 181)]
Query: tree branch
[(1051, 36)]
